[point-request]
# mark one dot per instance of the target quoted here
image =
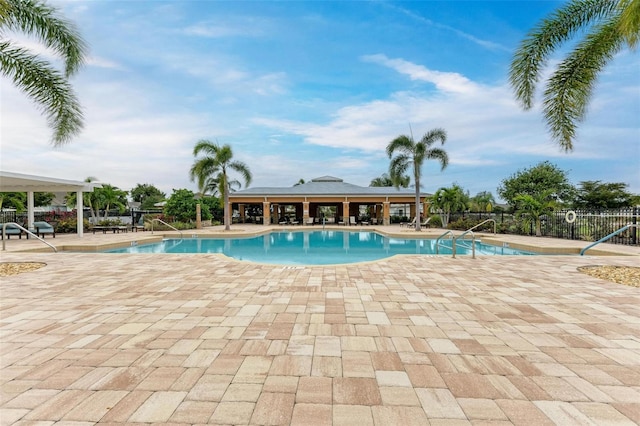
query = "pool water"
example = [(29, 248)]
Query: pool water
[(315, 247)]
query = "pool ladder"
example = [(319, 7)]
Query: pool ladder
[(462, 239)]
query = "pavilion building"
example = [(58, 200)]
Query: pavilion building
[(324, 199)]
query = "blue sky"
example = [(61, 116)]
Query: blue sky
[(302, 89)]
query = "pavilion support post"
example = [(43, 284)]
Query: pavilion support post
[(30, 207), (386, 213), (345, 212), (79, 214), (305, 212), (266, 213)]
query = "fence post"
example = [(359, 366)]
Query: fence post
[(634, 233)]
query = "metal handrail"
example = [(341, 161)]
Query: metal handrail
[(624, 228), (495, 225), (162, 221), (473, 241), (453, 242), (5, 236)]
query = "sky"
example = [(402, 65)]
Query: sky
[(303, 89)]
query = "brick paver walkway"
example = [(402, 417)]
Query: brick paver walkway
[(190, 339)]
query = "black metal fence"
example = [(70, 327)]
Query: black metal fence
[(585, 225), (593, 225)]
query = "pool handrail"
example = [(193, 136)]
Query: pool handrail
[(495, 226), (5, 236), (162, 221), (603, 239), (473, 241), (453, 242)]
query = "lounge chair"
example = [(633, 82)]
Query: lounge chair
[(44, 228), (352, 220), (138, 226), (425, 224), (310, 220), (11, 230), (412, 223)]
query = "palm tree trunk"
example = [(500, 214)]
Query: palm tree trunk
[(418, 225), (227, 218)]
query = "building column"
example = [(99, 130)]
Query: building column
[(241, 210), (345, 212), (412, 212), (266, 213), (30, 216), (386, 213), (79, 214), (305, 212)]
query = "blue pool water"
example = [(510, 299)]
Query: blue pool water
[(314, 247)]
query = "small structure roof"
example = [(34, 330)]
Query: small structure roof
[(18, 182)]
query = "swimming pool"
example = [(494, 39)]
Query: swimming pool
[(315, 247)]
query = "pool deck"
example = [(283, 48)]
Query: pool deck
[(196, 339)]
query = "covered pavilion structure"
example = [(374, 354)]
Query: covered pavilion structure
[(325, 199), (18, 182)]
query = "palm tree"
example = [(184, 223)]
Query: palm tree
[(448, 200), (44, 84), (531, 208), (111, 196), (216, 163), (412, 154), (386, 180), (89, 199), (609, 26), (483, 202)]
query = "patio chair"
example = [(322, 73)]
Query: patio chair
[(11, 230), (44, 228), (352, 220), (412, 223), (138, 226), (425, 224), (310, 221)]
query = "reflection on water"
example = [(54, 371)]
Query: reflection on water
[(314, 247)]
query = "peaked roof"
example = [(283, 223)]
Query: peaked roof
[(325, 185)]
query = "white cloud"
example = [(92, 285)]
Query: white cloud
[(444, 81)]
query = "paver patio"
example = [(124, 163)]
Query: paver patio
[(195, 339)]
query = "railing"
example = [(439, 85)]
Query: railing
[(495, 226), (453, 243), (473, 240), (5, 236), (624, 228), (162, 221)]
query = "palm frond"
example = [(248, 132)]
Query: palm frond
[(532, 55), (402, 143), (47, 87), (37, 18), (570, 87)]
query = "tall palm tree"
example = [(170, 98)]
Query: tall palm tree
[(43, 83), (412, 154), (216, 163), (609, 25)]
